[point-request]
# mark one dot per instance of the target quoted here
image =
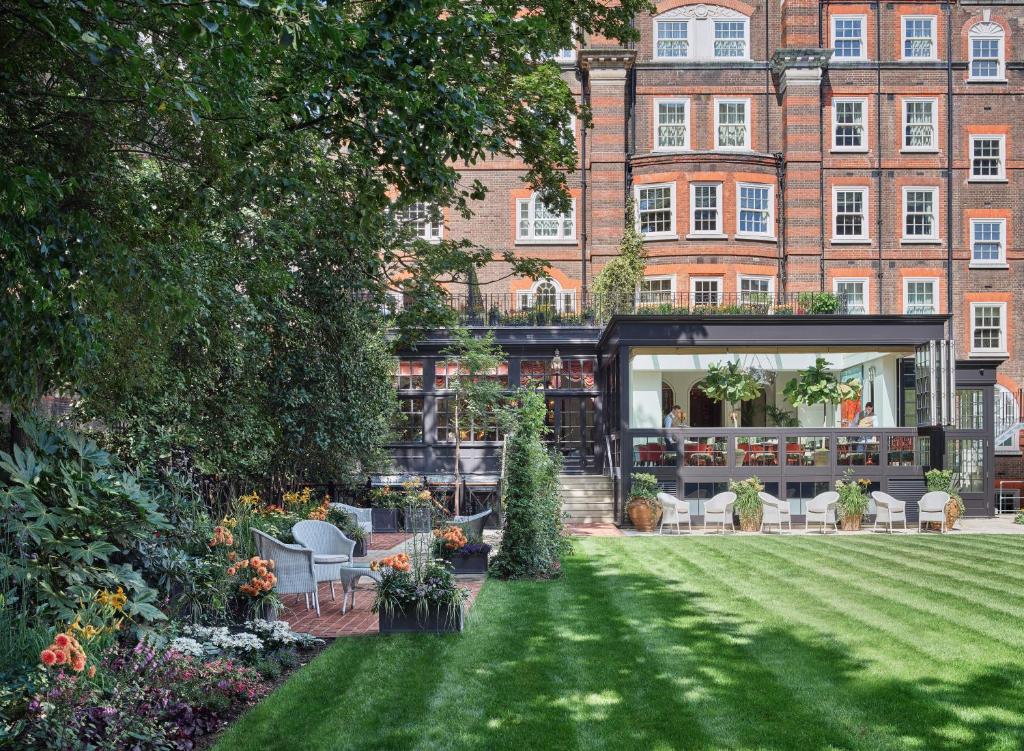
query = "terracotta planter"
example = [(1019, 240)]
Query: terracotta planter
[(851, 523), (952, 514), (750, 524), (643, 517)]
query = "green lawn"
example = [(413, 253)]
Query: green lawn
[(694, 643)]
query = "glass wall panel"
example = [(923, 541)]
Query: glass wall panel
[(705, 451), (901, 451), (807, 451), (966, 457), (970, 409), (653, 452), (757, 451), (860, 450)]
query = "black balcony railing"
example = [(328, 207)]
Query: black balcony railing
[(568, 308)]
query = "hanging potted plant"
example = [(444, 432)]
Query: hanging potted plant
[(644, 508), (818, 385), (942, 479), (748, 505), (853, 501), (728, 382)]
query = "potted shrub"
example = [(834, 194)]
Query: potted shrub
[(452, 545), (748, 504), (942, 479), (644, 508), (384, 504), (853, 501), (416, 599)]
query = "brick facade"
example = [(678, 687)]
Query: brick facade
[(792, 84)]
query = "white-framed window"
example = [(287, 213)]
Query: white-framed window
[(713, 33), (920, 126), (671, 124), (919, 38), (755, 210), (986, 52), (705, 208), (656, 290), (848, 37), (1007, 421), (731, 38), (732, 123), (987, 162), (536, 223), (988, 242), (920, 214), (920, 296), (756, 290), (852, 294), (988, 328), (547, 294), (656, 210), (567, 55), (705, 290), (849, 214), (423, 219), (849, 124)]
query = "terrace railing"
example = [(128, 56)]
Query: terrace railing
[(567, 309)]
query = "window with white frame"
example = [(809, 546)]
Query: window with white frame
[(987, 158), (711, 33), (537, 223), (919, 124), (755, 211), (423, 219), (656, 210), (732, 123), (986, 45), (919, 296), (671, 125), (988, 332), (705, 290), (919, 37), (1007, 421), (849, 124), (656, 290), (706, 208), (852, 294), (919, 213), (547, 294), (755, 290), (848, 37), (849, 214), (567, 55), (988, 244)]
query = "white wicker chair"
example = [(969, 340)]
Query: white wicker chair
[(674, 511), (293, 567), (822, 510), (888, 510), (473, 525), (932, 508), (364, 517), (774, 511), (331, 549), (718, 510)]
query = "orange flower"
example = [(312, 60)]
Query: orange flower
[(62, 641), (47, 657), (78, 662), (60, 656), (232, 571), (92, 671), (232, 556)]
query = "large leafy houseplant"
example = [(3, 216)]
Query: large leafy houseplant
[(728, 382), (748, 505), (817, 384)]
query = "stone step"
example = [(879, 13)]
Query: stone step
[(589, 503), (591, 519)]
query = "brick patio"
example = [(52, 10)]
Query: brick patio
[(358, 621), (387, 540)]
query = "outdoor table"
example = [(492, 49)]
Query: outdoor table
[(349, 575)]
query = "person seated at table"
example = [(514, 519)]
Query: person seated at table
[(865, 418)]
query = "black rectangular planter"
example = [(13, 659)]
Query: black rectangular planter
[(467, 564), (360, 549), (417, 519), (384, 519), (436, 619)]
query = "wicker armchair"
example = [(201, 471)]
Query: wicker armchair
[(331, 549), (718, 510), (293, 567), (888, 510), (364, 517), (822, 510), (933, 509), (473, 525), (673, 512), (774, 511)]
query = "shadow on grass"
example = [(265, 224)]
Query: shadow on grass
[(623, 659)]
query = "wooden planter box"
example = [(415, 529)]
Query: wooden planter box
[(385, 519), (467, 564), (436, 619)]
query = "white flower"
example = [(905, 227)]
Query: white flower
[(184, 645)]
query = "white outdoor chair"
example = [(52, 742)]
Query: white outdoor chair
[(293, 567), (822, 510), (473, 525), (718, 510), (331, 549), (932, 508), (674, 511), (774, 511), (888, 510), (363, 516)]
